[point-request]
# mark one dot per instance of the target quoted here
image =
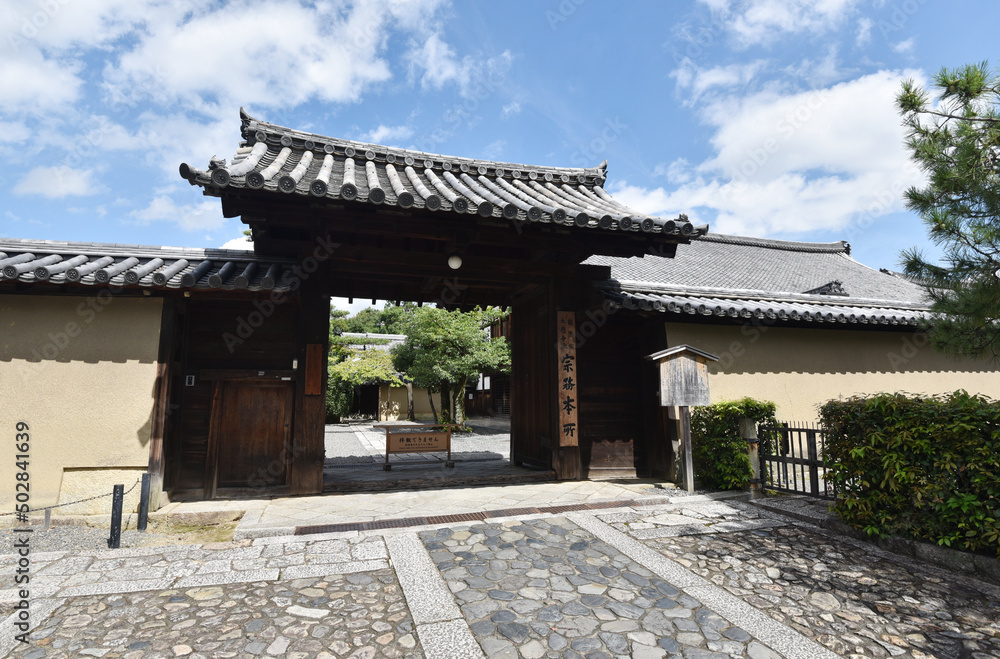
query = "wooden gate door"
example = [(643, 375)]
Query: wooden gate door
[(252, 427)]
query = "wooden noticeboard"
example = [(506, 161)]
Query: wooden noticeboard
[(417, 439), (684, 384), (566, 380), (417, 442)]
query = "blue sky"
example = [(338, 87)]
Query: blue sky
[(761, 117)]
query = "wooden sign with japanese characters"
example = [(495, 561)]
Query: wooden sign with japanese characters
[(566, 380)]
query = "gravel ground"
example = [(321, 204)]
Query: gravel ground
[(484, 443), (75, 538)]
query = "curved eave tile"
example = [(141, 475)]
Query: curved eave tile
[(148, 270), (775, 310), (279, 160)]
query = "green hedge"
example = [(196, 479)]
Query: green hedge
[(919, 467), (720, 455)]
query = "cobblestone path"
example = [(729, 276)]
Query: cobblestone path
[(546, 588), (686, 578), (361, 615), (850, 598)]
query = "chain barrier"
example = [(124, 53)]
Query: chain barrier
[(70, 503)]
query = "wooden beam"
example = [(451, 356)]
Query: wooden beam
[(161, 403), (212, 452), (312, 328)]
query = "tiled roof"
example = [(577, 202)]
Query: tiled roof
[(103, 264), (375, 340), (277, 159), (738, 277)]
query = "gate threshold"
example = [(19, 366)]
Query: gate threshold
[(403, 522)]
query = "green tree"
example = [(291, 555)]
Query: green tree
[(350, 365), (356, 365), (956, 142), (443, 349), (388, 320)]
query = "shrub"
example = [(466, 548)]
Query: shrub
[(339, 397), (920, 467), (720, 454)]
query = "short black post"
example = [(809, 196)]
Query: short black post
[(116, 517), (143, 503)]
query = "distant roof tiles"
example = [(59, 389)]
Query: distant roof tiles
[(142, 266), (738, 277), (274, 158)]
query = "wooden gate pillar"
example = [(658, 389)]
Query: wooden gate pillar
[(312, 337), (161, 403)]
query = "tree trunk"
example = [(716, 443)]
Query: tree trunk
[(446, 406), (430, 397), (459, 402), (410, 416)]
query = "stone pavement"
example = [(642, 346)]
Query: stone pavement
[(679, 576), (355, 454), (280, 516)]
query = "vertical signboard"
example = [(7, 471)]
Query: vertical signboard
[(566, 382)]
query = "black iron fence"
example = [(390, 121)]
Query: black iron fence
[(792, 459)]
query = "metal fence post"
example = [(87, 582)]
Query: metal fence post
[(143, 503), (116, 517)]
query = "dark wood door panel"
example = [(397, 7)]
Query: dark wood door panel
[(254, 439)]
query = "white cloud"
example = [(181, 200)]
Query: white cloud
[(434, 62), (764, 21), (512, 109), (387, 134), (864, 35), (270, 54), (818, 72), (203, 216), (30, 82), (791, 163), (237, 243), (438, 62), (64, 25), (57, 182), (14, 132), (171, 139), (694, 82), (494, 150), (904, 47)]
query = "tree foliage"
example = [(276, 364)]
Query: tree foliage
[(956, 142), (920, 467), (350, 365), (444, 349), (391, 319), (719, 451)]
